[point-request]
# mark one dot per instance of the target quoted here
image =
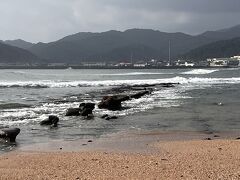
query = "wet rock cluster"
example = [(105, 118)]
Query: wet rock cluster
[(110, 102), (9, 134)]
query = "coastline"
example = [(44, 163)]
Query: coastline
[(113, 67), (132, 155)]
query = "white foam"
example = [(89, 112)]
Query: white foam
[(133, 74), (200, 71), (63, 84), (33, 114)]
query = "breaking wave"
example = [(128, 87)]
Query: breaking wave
[(64, 84), (200, 71), (134, 74)]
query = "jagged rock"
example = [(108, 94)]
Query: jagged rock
[(86, 109), (110, 117), (208, 139), (139, 94), (112, 102), (86, 112), (73, 112), (107, 117), (168, 84), (51, 120), (104, 116), (9, 133), (87, 106)]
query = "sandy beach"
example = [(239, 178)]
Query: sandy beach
[(178, 159)]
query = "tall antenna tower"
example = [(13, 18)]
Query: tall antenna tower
[(169, 53), (131, 57)]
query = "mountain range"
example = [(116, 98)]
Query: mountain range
[(135, 44), (224, 48), (12, 54)]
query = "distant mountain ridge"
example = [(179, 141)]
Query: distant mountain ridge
[(135, 44), (108, 46), (11, 54), (138, 44), (224, 48), (223, 34), (19, 43)]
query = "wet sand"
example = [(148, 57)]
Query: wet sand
[(152, 158)]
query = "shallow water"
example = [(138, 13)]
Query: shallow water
[(29, 96)]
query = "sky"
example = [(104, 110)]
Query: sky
[(50, 20)]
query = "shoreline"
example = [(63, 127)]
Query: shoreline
[(136, 141), (112, 67), (144, 155)]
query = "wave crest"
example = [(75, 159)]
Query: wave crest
[(64, 84), (200, 71)]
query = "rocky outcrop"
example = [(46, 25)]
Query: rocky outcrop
[(85, 109), (9, 133), (139, 94), (73, 112), (107, 117), (114, 103), (51, 120)]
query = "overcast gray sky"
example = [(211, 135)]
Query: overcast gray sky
[(49, 20)]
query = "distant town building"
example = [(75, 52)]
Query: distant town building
[(124, 64), (237, 58), (93, 64), (140, 64), (223, 62), (184, 63)]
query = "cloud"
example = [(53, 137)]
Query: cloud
[(49, 20)]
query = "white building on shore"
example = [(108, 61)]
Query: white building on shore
[(237, 58), (223, 62), (184, 63)]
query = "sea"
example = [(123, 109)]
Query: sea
[(205, 100)]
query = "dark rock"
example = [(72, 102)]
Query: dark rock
[(207, 139), (167, 85), (73, 112), (144, 85), (104, 116), (163, 159), (110, 117), (216, 136), (86, 109), (9, 133), (107, 118), (90, 141), (112, 102), (51, 120), (87, 106), (139, 94), (238, 138), (86, 112)]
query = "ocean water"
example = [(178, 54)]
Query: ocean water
[(205, 100)]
